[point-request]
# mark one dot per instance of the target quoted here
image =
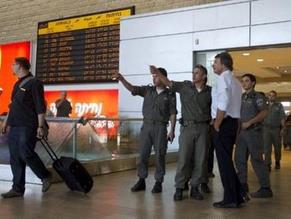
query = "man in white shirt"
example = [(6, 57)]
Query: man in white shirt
[(225, 111)]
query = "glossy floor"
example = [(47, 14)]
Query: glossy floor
[(111, 198)]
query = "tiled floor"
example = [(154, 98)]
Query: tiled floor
[(111, 198)]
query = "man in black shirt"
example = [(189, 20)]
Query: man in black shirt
[(63, 106), (25, 121)]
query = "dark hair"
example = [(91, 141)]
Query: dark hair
[(163, 71), (23, 62), (226, 60), (203, 69), (274, 92), (251, 77)]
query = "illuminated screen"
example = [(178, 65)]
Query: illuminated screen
[(8, 53)]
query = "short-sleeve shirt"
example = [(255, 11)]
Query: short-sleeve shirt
[(275, 115), (195, 105), (64, 109), (26, 103), (252, 103), (156, 107)]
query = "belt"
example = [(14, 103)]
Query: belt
[(194, 122), (155, 122), (272, 126)]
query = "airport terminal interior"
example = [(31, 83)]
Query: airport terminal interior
[(76, 48)]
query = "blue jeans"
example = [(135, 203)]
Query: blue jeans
[(22, 141)]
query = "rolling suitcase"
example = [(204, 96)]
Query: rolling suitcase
[(70, 170)]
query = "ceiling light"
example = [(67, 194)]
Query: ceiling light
[(260, 60), (246, 54), (285, 71), (277, 67)]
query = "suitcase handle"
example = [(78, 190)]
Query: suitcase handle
[(48, 149)]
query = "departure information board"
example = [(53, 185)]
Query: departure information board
[(80, 49)]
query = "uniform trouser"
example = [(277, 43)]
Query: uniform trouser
[(22, 141), (272, 137), (250, 142), (192, 154), (152, 135), (223, 142)]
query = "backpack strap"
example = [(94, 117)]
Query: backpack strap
[(22, 83)]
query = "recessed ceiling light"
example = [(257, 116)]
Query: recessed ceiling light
[(277, 67), (246, 54), (285, 71), (260, 60)]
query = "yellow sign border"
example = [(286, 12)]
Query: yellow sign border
[(85, 22)]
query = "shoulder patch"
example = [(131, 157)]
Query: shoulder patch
[(260, 102)]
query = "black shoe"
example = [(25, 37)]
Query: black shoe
[(205, 188), (277, 166), (178, 196), (12, 194), (139, 186), (195, 193), (186, 187), (46, 183), (211, 175), (157, 187), (262, 193), (222, 204)]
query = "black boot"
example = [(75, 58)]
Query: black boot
[(245, 192), (157, 187), (277, 166), (205, 188), (195, 193), (263, 193), (178, 196), (139, 186)]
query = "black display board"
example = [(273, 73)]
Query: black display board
[(80, 49)]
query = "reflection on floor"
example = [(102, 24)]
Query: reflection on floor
[(111, 198)]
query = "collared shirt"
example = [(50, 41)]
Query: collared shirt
[(252, 103), (226, 95), (275, 115), (156, 106), (195, 105), (26, 103)]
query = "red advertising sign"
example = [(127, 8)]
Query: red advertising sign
[(91, 104), (8, 53)]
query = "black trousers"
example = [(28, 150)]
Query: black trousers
[(223, 142), (22, 141), (210, 160)]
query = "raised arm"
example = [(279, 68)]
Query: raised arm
[(125, 83), (164, 79)]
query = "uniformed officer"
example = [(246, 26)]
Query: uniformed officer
[(250, 138), (195, 99), (273, 126), (159, 106)]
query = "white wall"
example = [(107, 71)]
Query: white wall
[(169, 38)]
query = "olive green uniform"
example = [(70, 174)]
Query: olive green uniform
[(250, 140), (157, 109), (272, 128), (195, 107)]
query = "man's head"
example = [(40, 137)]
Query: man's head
[(199, 74), (223, 61), (272, 96), (156, 81), (63, 95), (248, 82), (21, 66)]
